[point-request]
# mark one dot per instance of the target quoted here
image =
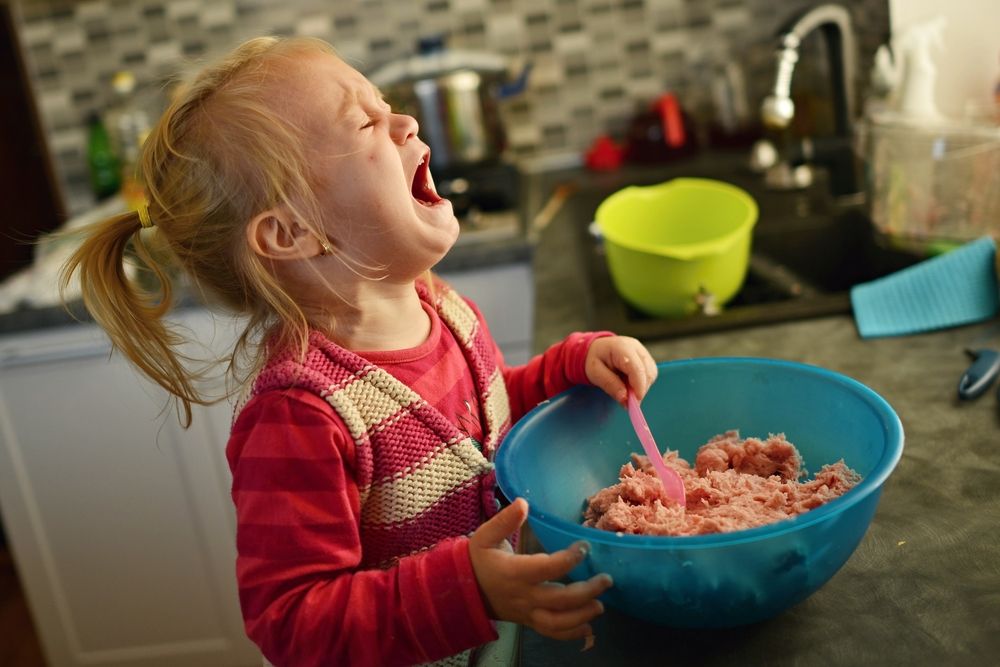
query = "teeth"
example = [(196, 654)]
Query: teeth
[(421, 162)]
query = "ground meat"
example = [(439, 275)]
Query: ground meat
[(735, 484)]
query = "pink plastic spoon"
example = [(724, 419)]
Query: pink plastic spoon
[(672, 483)]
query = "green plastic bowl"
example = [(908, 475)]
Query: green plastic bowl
[(670, 246)]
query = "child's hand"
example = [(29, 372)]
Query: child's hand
[(612, 358), (519, 588)]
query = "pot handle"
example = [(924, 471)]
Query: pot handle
[(516, 86)]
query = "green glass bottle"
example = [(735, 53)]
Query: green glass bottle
[(105, 178)]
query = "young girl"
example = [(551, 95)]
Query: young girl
[(368, 523)]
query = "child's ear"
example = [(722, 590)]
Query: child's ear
[(276, 235)]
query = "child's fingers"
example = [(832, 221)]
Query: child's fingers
[(563, 625), (641, 383), (492, 533), (579, 632), (640, 369), (560, 597), (541, 567), (557, 621), (604, 377), (651, 368), (636, 374)]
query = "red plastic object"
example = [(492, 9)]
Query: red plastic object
[(673, 123), (659, 133), (604, 154)]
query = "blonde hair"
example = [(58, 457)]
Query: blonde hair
[(218, 156)]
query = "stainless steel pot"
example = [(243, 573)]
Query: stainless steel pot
[(454, 96)]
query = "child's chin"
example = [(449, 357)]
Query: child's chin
[(441, 212), (438, 206)]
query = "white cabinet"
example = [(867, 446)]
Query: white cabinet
[(120, 521), (505, 294)]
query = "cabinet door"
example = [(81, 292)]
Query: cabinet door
[(119, 520)]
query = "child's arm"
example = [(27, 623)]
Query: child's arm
[(304, 600), (560, 367), (599, 358)]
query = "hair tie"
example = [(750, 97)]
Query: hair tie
[(144, 218)]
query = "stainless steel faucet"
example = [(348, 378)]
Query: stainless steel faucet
[(777, 110)]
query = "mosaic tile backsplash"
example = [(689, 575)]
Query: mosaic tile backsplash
[(595, 61)]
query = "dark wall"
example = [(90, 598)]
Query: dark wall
[(30, 201)]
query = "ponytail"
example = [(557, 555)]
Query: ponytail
[(132, 315), (220, 153)]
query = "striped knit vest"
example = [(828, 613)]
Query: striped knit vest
[(421, 480)]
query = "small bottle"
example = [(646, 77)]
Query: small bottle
[(915, 99), (128, 124), (105, 176)]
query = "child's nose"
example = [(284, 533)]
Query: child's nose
[(404, 127)]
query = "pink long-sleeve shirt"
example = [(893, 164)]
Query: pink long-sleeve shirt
[(308, 597)]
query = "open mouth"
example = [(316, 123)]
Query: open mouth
[(423, 185)]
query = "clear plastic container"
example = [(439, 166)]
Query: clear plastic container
[(933, 184)]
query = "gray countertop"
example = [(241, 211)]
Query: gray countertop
[(924, 585)]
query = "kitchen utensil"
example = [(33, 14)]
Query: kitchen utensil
[(980, 375), (958, 287), (453, 95), (669, 245), (572, 446), (671, 481), (552, 207)]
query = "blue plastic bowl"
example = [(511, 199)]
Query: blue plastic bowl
[(567, 448)]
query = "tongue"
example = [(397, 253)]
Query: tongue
[(421, 188)]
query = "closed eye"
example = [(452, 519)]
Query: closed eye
[(370, 123)]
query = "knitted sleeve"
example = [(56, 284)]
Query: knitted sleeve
[(304, 600)]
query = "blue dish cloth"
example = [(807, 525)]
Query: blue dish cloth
[(958, 287)]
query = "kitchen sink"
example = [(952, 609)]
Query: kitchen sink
[(807, 252)]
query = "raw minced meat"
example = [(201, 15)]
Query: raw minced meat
[(735, 484)]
